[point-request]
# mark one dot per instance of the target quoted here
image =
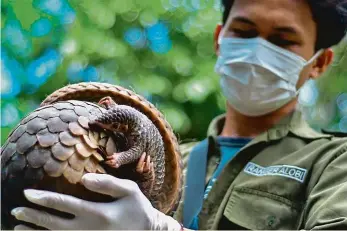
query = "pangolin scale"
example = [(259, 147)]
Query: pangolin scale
[(56, 143)]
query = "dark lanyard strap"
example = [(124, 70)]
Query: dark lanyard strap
[(195, 179)]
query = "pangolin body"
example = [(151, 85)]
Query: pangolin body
[(54, 146), (142, 136)]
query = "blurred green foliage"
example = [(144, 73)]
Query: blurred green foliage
[(161, 49)]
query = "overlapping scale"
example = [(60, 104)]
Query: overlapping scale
[(83, 150), (102, 142), (17, 163), (62, 152), (18, 132), (48, 113), (25, 142), (77, 162), (81, 111), (83, 121), (35, 125), (38, 157), (68, 139), (55, 125), (29, 117), (91, 165), (64, 105), (96, 136), (7, 153), (76, 129), (68, 116), (54, 167), (110, 146), (93, 137), (98, 156), (91, 144), (47, 138), (72, 175)]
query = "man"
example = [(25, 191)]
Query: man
[(266, 168)]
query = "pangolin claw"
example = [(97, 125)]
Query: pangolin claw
[(146, 169), (107, 102), (144, 165), (112, 161)]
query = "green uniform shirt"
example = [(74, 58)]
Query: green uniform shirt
[(289, 177)]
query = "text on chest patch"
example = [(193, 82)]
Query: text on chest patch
[(289, 171)]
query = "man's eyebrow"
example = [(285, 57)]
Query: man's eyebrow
[(289, 30), (243, 20)]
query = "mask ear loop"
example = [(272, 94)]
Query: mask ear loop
[(318, 53)]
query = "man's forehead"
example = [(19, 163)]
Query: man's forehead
[(277, 13)]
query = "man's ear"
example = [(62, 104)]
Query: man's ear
[(322, 63), (216, 35)]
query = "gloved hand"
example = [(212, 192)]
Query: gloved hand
[(132, 210)]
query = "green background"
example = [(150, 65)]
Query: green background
[(161, 49)]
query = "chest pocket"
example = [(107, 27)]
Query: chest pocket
[(254, 209)]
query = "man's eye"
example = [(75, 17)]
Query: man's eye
[(283, 42), (244, 33)]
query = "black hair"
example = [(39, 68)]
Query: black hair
[(329, 15)]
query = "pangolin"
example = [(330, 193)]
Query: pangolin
[(141, 135), (72, 134)]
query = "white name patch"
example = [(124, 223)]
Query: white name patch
[(292, 172)]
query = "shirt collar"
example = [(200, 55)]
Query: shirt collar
[(293, 122)]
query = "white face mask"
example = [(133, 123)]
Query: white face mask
[(257, 77)]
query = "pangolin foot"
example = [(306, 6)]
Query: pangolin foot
[(144, 166), (112, 161), (146, 170), (107, 102)]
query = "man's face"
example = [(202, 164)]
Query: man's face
[(288, 24)]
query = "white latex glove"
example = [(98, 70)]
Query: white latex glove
[(132, 210)]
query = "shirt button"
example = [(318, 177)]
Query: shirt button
[(271, 221), (204, 211)]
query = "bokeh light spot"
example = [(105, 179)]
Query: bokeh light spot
[(148, 18), (343, 124), (90, 74), (135, 37), (157, 31), (41, 27), (41, 69), (9, 115), (52, 7), (177, 118), (16, 38), (175, 3), (183, 65), (121, 6), (308, 94), (342, 103), (68, 47), (75, 72), (10, 86), (197, 90), (161, 46)]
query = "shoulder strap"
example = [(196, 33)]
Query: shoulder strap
[(195, 180)]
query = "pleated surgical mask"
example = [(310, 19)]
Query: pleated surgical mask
[(258, 77)]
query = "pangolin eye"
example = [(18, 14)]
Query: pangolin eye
[(115, 125)]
